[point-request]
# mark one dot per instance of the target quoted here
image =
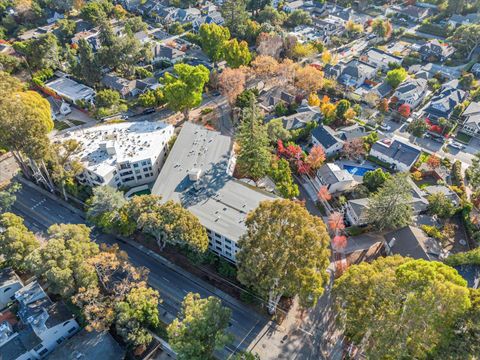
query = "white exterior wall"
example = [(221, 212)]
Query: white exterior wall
[(331, 150), (7, 293), (399, 166), (222, 246)]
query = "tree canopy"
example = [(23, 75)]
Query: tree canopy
[(200, 329), (396, 76), (183, 91), (374, 179), (284, 251), (212, 39), (397, 308)]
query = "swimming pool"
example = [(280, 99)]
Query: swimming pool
[(357, 170)]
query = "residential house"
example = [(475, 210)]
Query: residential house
[(382, 90), (10, 283), (333, 71), (291, 6), (380, 59), (430, 70), (91, 36), (364, 247), (304, 115), (327, 27), (471, 273), (70, 90), (356, 73), (458, 20), (58, 107), (89, 345), (412, 242), (351, 132), (121, 155), (411, 92), (443, 104), (328, 139), (342, 14), (335, 179), (272, 97), (38, 326), (475, 70), (471, 119), (167, 53), (414, 13), (198, 175), (124, 86), (356, 210), (434, 50), (442, 189), (399, 154)]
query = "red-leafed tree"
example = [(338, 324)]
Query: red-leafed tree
[(339, 242), (336, 223), (295, 156), (324, 194), (383, 105), (433, 162), (354, 149), (404, 110), (316, 157)]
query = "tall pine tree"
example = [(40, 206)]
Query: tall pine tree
[(254, 156)]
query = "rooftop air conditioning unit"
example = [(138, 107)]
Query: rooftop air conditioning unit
[(194, 174)]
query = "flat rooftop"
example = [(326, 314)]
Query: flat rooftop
[(106, 145), (70, 88), (219, 201)]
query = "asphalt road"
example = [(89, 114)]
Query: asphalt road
[(39, 212)]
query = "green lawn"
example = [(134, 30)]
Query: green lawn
[(60, 125), (463, 138), (76, 122)]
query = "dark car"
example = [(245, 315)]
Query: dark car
[(148, 111)]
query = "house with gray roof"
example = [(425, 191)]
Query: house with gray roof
[(70, 90), (327, 138), (335, 179), (38, 326), (380, 59), (475, 70), (412, 242), (124, 86), (198, 175), (89, 345), (434, 50), (458, 20), (471, 119), (443, 104), (356, 72), (10, 283), (304, 115), (411, 92), (396, 152)]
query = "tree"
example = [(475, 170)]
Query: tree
[(257, 5), (201, 328), (324, 194), (107, 98), (328, 111), (7, 197), (254, 155), (396, 308), (309, 79), (135, 24), (383, 105), (213, 38), (232, 83), (62, 261), (389, 207), (467, 80), (417, 127), (26, 122), (342, 108), (382, 28), (95, 12), (276, 130), (466, 39), (246, 98), (404, 110), (396, 76), (313, 100), (298, 17), (64, 165), (277, 232), (433, 162), (282, 176), (86, 65), (236, 53), (354, 149), (270, 45), (16, 241), (439, 204), (103, 208), (66, 30), (235, 14), (316, 157), (136, 313), (183, 91), (353, 28), (374, 179), (473, 173), (152, 98), (40, 53), (271, 16)]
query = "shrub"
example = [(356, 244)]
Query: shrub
[(469, 257)]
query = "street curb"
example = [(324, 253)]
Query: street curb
[(217, 292)]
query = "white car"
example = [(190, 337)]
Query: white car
[(456, 145), (385, 127)]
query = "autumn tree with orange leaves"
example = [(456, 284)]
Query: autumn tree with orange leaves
[(231, 83)]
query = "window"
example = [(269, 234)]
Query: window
[(139, 177), (38, 347), (114, 172), (72, 330), (135, 165), (218, 248), (43, 352), (145, 169), (124, 166), (6, 289), (147, 175), (129, 178), (137, 171), (66, 323), (218, 242), (118, 184), (149, 168), (130, 172), (228, 247), (228, 253), (218, 236), (228, 241), (144, 163), (59, 341)]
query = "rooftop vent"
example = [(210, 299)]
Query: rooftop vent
[(194, 174)]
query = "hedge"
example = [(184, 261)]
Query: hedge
[(468, 257)]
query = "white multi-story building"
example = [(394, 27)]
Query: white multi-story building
[(198, 175), (122, 155)]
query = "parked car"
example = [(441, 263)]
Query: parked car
[(456, 145), (150, 110), (385, 127)]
